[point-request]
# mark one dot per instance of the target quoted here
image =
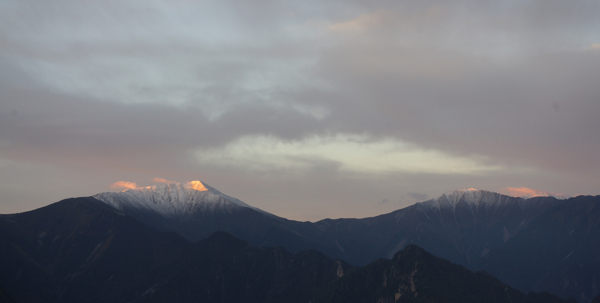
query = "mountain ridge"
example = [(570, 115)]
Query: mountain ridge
[(480, 230), (83, 250)]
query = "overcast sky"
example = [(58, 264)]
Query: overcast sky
[(305, 109)]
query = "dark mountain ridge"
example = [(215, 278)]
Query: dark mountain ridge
[(76, 249), (81, 250), (537, 244), (462, 226)]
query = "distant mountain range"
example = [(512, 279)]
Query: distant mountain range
[(82, 250), (79, 249)]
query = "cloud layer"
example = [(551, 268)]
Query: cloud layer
[(330, 106)]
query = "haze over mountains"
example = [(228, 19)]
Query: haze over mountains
[(537, 244)]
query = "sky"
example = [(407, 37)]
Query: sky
[(305, 109)]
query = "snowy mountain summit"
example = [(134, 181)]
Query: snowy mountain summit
[(193, 210), (474, 199), (173, 199), (471, 198)]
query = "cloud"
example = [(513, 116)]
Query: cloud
[(161, 180), (342, 92), (363, 23), (349, 153), (525, 192), (123, 184)]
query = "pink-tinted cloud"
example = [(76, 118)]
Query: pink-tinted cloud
[(525, 192), (161, 180), (123, 184)]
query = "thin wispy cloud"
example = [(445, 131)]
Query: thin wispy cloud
[(525, 192), (123, 185), (162, 180)]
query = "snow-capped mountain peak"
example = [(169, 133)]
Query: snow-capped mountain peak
[(472, 198), (173, 199), (196, 185), (193, 210)]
